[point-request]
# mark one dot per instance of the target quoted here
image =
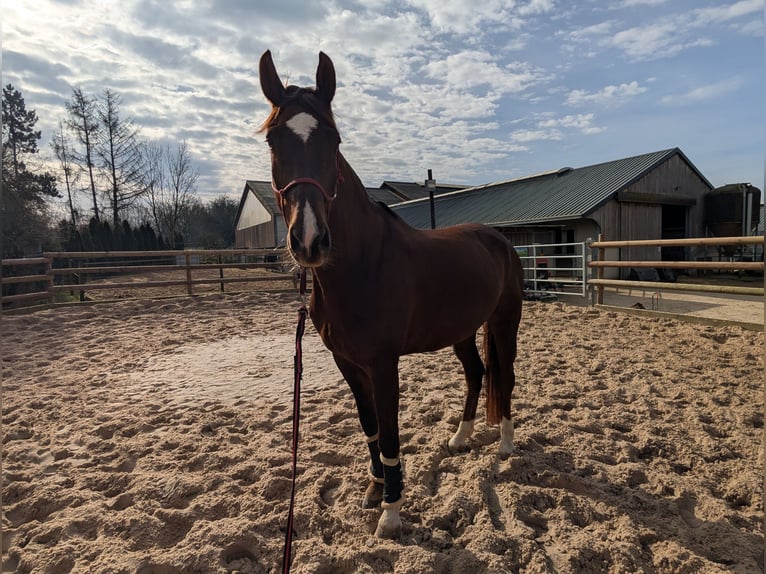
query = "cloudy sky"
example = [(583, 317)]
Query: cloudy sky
[(478, 91)]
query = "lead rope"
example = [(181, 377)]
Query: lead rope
[(298, 370)]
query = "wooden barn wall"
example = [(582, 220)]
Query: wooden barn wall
[(625, 220), (640, 221), (257, 236), (675, 179)]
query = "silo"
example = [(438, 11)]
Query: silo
[(732, 210)]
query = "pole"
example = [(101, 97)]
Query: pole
[(600, 272), (431, 186)]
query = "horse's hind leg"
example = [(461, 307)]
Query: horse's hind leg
[(501, 354), (473, 368), (365, 405)]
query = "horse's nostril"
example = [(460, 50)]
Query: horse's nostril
[(324, 240), (295, 240)]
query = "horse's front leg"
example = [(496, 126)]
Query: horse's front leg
[(361, 386), (385, 382)]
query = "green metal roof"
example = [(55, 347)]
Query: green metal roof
[(389, 193), (562, 194), (408, 191)]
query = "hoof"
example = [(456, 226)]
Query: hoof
[(505, 450), (373, 496), (389, 525), (455, 449)]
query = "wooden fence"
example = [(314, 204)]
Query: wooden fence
[(45, 278), (600, 263)]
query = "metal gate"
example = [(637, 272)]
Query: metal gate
[(555, 268)]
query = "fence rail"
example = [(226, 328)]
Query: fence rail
[(43, 279), (600, 263), (562, 268)]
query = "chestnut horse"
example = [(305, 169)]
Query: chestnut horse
[(382, 289)]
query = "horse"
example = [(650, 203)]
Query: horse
[(382, 289)]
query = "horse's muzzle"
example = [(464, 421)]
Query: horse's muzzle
[(309, 250)]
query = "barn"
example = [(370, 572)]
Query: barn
[(657, 195), (259, 223)]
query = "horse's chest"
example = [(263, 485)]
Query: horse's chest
[(353, 337)]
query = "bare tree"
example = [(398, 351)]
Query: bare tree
[(62, 147), (120, 155), (83, 121), (170, 180)]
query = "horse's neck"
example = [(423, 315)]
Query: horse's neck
[(353, 219), (355, 229)]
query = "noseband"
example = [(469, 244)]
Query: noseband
[(281, 192)]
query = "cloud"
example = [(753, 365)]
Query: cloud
[(536, 7), (666, 33), (704, 93), (582, 122), (606, 96), (448, 84), (466, 18), (717, 14), (654, 41), (536, 135), (633, 3), (592, 31), (459, 17), (35, 71), (470, 69)]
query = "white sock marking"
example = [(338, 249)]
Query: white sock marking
[(463, 432), (302, 125), (506, 437)]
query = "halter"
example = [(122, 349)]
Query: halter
[(281, 192)]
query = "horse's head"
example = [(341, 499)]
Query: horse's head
[(304, 144)]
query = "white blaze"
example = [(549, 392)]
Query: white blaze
[(310, 227), (302, 125)]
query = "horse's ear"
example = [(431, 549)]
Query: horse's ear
[(270, 83), (325, 78)]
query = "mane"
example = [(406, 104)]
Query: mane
[(305, 98)]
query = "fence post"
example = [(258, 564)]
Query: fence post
[(600, 272), (187, 260), (220, 270), (49, 282), (585, 246)]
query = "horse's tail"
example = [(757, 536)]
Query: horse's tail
[(494, 380)]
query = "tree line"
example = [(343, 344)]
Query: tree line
[(113, 183)]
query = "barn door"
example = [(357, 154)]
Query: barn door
[(674, 226)]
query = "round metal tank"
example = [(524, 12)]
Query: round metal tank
[(732, 210)]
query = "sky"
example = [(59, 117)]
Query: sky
[(476, 91)]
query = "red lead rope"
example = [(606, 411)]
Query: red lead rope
[(298, 369)]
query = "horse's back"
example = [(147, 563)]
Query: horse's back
[(476, 249)]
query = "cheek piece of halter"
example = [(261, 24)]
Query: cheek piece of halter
[(282, 192)]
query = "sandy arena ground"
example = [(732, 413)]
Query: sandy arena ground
[(154, 437)]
